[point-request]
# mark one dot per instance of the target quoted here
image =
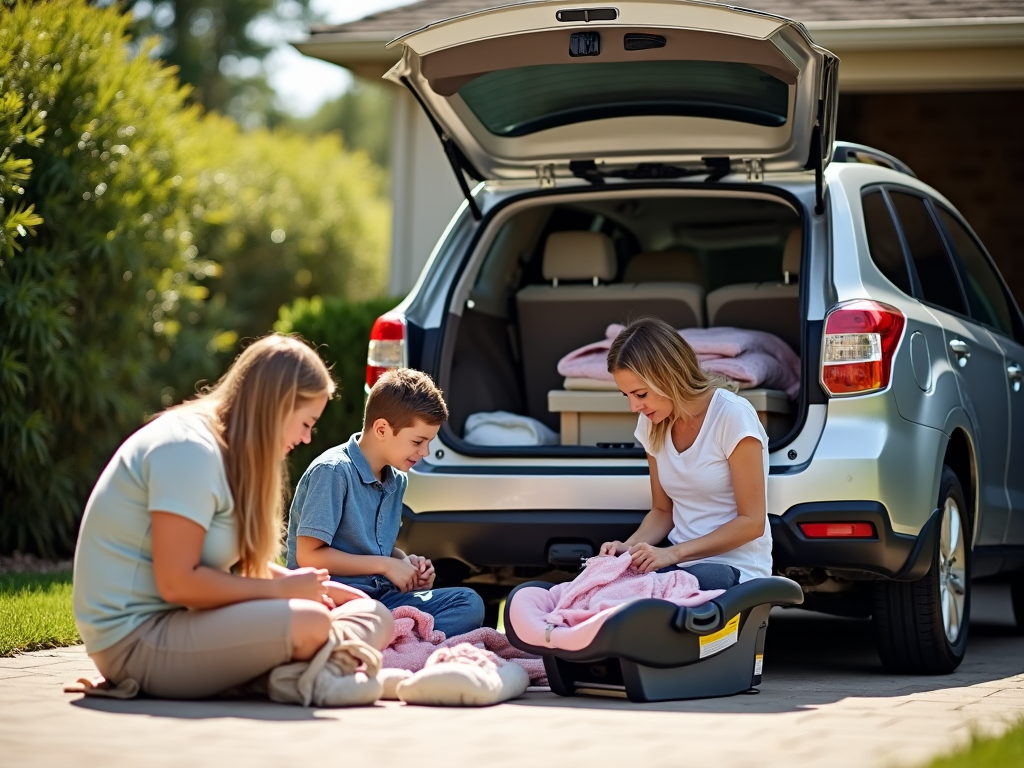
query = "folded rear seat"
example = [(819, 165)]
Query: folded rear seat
[(771, 306), (577, 306)]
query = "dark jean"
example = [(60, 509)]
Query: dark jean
[(456, 610), (709, 575)]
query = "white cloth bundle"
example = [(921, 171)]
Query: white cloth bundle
[(501, 428)]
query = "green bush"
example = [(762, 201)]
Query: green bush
[(341, 331), (139, 240), (90, 286), (283, 216)]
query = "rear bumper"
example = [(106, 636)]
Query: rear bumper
[(526, 537), (889, 554), (520, 537)]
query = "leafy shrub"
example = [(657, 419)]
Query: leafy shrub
[(283, 216), (139, 240), (88, 289), (341, 331)]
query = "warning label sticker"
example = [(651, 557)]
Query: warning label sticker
[(720, 640), (758, 664)]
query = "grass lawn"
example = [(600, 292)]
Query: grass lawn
[(35, 612), (986, 752)]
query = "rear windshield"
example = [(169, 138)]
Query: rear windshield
[(523, 100)]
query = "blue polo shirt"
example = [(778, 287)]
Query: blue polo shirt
[(341, 503)]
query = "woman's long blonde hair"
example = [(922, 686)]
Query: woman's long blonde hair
[(247, 410), (656, 354)]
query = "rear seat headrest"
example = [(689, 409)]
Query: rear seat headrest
[(665, 267), (579, 256), (791, 254)]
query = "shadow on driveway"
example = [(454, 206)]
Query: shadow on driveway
[(811, 660)]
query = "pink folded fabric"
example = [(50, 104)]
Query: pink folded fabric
[(569, 615), (415, 639), (754, 358)]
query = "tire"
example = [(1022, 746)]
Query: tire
[(921, 626)]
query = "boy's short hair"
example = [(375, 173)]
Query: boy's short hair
[(403, 395)]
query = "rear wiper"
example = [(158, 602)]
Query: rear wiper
[(715, 168)]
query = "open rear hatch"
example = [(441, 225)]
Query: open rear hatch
[(642, 89)]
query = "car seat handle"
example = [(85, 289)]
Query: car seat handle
[(699, 619)]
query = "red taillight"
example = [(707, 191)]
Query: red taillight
[(860, 341), (838, 530), (387, 346)]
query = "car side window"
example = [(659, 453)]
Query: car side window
[(985, 295), (938, 280), (884, 242)]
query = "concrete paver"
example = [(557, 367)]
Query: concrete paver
[(825, 701)]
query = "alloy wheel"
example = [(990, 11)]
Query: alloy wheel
[(952, 571)]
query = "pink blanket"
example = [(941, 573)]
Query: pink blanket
[(753, 358), (415, 638), (568, 615)]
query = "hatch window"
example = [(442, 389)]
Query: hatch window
[(524, 100)]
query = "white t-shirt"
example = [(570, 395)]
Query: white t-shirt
[(173, 464), (699, 481)]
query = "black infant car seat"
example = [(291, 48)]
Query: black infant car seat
[(654, 650)]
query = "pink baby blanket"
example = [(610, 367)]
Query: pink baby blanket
[(415, 639), (569, 615), (753, 358)]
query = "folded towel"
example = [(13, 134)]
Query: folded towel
[(504, 428)]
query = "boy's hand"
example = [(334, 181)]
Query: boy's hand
[(424, 571), (401, 573)]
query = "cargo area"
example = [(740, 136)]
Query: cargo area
[(551, 278)]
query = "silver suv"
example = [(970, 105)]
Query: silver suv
[(678, 159)]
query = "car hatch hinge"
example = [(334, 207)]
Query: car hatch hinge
[(546, 176), (755, 170)]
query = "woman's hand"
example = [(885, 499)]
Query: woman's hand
[(304, 584), (339, 594), (614, 548), (648, 558)]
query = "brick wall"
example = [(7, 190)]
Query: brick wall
[(968, 146)]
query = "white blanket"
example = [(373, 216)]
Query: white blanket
[(501, 428)]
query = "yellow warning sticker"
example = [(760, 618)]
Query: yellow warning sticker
[(758, 664), (720, 640)]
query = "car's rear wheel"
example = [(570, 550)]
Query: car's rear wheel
[(921, 626)]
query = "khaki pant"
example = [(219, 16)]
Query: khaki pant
[(185, 654)]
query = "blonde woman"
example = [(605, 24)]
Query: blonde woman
[(175, 584), (708, 457)]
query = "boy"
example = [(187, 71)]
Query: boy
[(348, 505)]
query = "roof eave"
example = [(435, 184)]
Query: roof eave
[(360, 51)]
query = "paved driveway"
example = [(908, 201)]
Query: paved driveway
[(825, 701)]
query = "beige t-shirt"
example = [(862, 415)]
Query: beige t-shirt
[(173, 464)]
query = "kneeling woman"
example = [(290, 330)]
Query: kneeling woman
[(708, 455), (191, 496)]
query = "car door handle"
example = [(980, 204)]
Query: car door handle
[(962, 351), (1016, 376)]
